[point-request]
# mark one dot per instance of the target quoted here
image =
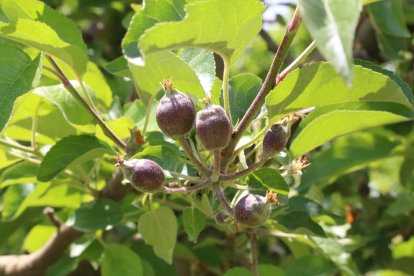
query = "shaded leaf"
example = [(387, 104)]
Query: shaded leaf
[(268, 179), (309, 266), (120, 260), (97, 215), (347, 154), (390, 26), (193, 221), (242, 91), (332, 25)]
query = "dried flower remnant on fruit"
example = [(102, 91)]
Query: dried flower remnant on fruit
[(213, 127), (252, 210), (144, 175), (176, 112)]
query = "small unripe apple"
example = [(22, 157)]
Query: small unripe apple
[(252, 210), (144, 175), (176, 112), (213, 127), (275, 140)]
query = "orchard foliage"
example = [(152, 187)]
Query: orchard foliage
[(162, 138)]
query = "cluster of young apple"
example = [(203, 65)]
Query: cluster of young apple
[(176, 116)]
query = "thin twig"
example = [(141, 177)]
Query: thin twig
[(225, 86), (267, 86), (222, 198), (253, 248), (197, 163), (302, 57), (50, 213), (196, 187), (217, 165), (16, 146), (242, 173), (108, 132)]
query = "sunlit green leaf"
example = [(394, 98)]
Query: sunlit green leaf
[(318, 85), (38, 236), (18, 74), (35, 24), (68, 150), (159, 229), (224, 27), (322, 124)]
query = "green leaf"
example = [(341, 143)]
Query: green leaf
[(22, 172), (118, 67), (120, 260), (396, 78), (299, 221), (390, 26), (309, 266), (403, 205), (166, 155), (194, 221), (268, 179), (237, 271), (18, 74), (69, 150), (223, 27), (12, 199), (35, 24), (333, 250), (243, 90), (148, 15), (347, 154), (96, 215), (71, 109), (270, 270), (332, 25), (160, 66), (403, 249), (159, 229), (51, 194), (202, 62), (318, 85), (322, 124), (38, 236)]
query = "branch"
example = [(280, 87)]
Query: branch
[(188, 189), (267, 86), (242, 173), (37, 262), (253, 248), (108, 132), (197, 163), (222, 198)]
